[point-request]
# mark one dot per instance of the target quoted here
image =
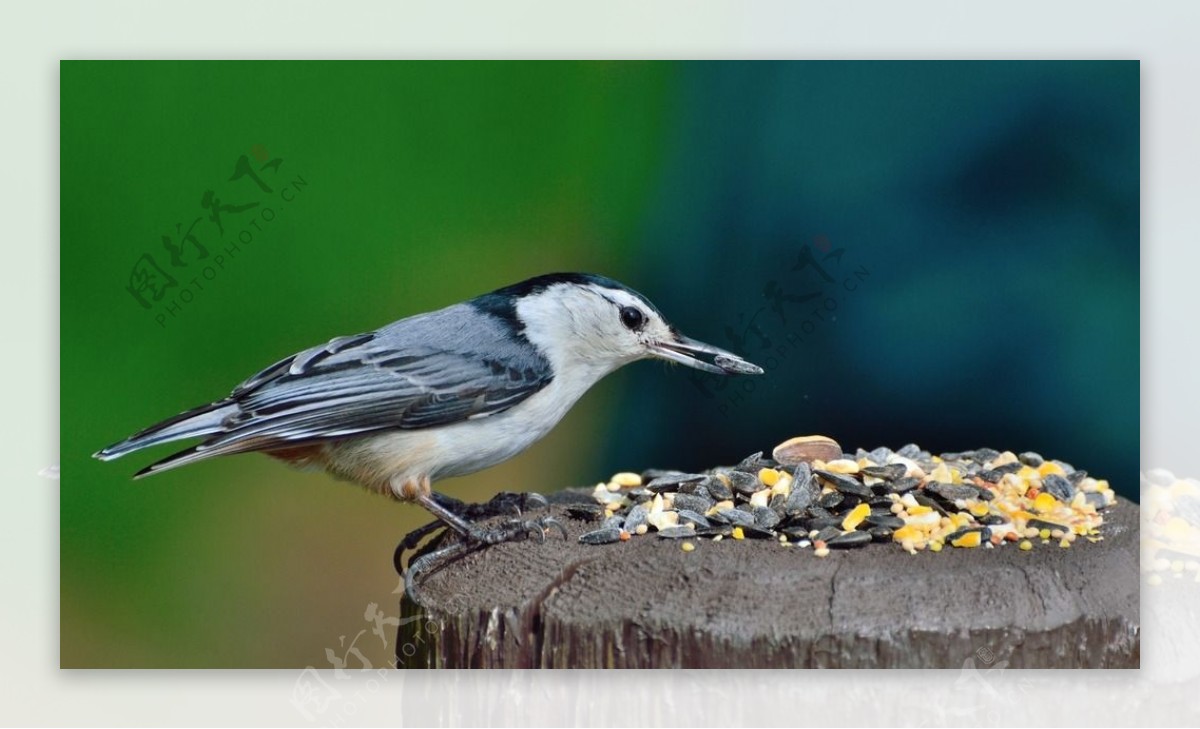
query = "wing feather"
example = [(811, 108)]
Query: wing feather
[(371, 382)]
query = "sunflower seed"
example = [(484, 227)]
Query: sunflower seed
[(890, 472), (601, 536), (1058, 487), (848, 540), (692, 502), (764, 518), (586, 512), (806, 449), (688, 516), (845, 484)]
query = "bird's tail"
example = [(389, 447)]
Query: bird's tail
[(201, 421)]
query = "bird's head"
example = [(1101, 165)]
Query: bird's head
[(593, 322)]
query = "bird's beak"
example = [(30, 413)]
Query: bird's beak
[(688, 351)]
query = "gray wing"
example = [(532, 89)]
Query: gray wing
[(432, 370)]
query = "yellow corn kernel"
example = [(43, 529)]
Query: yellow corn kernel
[(935, 546), (918, 510), (970, 539), (1045, 502), (769, 476), (979, 510), (738, 533), (856, 517), (1176, 528), (1048, 468), (906, 533), (1064, 543)]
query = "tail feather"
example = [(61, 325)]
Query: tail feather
[(201, 421)]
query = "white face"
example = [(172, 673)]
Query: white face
[(601, 329)]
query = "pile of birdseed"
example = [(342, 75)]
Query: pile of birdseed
[(811, 494), (1170, 527)]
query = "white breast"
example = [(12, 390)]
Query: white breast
[(477, 444), (456, 450)]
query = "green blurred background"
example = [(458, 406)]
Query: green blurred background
[(975, 226)]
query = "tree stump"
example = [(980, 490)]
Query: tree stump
[(647, 603)]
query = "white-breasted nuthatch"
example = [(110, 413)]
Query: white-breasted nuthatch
[(441, 394)]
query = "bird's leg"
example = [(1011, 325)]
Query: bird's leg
[(450, 502)]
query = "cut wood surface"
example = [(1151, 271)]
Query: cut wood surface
[(647, 603)]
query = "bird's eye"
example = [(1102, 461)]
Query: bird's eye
[(632, 317)]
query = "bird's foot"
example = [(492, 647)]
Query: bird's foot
[(464, 519), (476, 539), (504, 503), (515, 530)]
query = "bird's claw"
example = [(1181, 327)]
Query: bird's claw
[(537, 531), (511, 503), (538, 501), (549, 521), (434, 556), (515, 530)]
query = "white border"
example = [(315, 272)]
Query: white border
[(1162, 35)]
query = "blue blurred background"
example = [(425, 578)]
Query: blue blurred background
[(945, 253)]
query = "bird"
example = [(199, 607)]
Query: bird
[(439, 394)]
